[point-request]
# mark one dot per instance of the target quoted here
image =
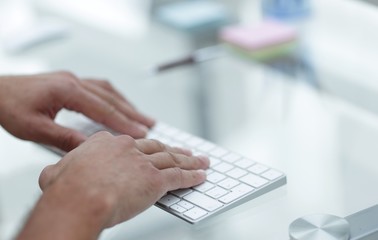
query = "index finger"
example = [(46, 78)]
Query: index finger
[(115, 99), (92, 106)]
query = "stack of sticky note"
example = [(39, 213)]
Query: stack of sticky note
[(262, 42)]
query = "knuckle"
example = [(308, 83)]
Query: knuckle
[(101, 134), (159, 145), (126, 140), (69, 80), (109, 112), (66, 74), (196, 162), (179, 174), (71, 83), (174, 158), (68, 84), (121, 141), (45, 177), (105, 84)]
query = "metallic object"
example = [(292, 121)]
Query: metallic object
[(319, 227)]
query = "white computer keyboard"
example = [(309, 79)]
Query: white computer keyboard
[(231, 179)]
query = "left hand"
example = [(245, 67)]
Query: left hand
[(133, 174), (29, 105), (105, 181)]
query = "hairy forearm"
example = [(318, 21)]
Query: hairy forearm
[(62, 213), (2, 89), (5, 98)]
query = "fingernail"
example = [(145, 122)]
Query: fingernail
[(187, 151), (142, 128), (151, 120), (204, 159), (202, 172)]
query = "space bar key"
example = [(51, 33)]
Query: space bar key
[(203, 201)]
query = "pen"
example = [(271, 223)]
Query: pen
[(200, 55)]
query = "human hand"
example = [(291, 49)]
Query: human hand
[(124, 175), (29, 105)]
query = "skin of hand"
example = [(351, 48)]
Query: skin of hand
[(29, 105), (105, 181)]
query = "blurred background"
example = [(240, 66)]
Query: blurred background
[(279, 81)]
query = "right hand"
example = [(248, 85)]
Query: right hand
[(129, 175), (29, 105)]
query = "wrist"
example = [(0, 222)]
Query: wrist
[(69, 213)]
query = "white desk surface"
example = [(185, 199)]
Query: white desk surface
[(325, 144)]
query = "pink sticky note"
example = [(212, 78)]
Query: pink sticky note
[(265, 34)]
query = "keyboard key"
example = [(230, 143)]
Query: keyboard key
[(181, 192), (90, 130), (203, 201), (204, 187), (236, 173), (228, 183), (178, 208), (231, 157), (244, 163), (195, 213), (216, 192), (193, 141), (185, 204), (153, 135), (160, 127), (182, 136), (242, 188), (223, 167), (176, 144), (168, 200), (236, 193), (215, 177), (253, 180), (170, 131), (205, 146), (196, 153), (214, 161), (218, 152), (164, 140), (271, 174), (258, 168)]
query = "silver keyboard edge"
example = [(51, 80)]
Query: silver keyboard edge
[(246, 198)]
